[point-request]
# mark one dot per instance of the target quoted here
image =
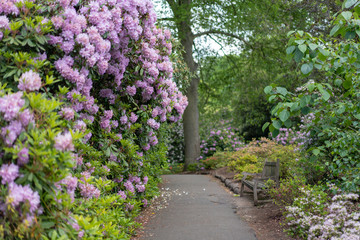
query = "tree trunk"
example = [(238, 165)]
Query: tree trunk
[(191, 125), (191, 114)]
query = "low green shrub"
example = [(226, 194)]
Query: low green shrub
[(245, 163), (287, 192), (193, 167), (252, 157), (218, 160)]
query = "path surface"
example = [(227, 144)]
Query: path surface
[(198, 209)]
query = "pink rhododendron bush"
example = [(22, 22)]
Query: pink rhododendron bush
[(222, 139), (86, 92)]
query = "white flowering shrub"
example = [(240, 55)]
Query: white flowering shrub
[(315, 216)]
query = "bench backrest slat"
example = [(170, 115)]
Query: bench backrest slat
[(271, 170)]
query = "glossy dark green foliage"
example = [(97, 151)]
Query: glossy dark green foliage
[(333, 155)]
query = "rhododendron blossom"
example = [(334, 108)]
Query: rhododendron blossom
[(63, 142), (29, 81), (8, 173)]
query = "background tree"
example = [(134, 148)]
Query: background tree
[(256, 30)]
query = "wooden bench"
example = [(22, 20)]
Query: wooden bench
[(257, 184)]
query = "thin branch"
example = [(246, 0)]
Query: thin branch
[(171, 2), (222, 33), (166, 19), (221, 46)]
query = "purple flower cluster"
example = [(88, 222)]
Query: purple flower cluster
[(140, 188), (29, 81), (122, 194), (8, 173), (133, 185), (105, 122), (10, 106), (63, 142), (67, 113), (23, 156), (129, 186), (220, 140), (80, 126), (101, 34), (88, 190), (291, 136), (153, 124), (71, 184), (23, 194), (8, 7)]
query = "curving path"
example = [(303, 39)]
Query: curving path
[(198, 209)]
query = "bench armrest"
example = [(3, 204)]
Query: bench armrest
[(261, 179), (249, 174)]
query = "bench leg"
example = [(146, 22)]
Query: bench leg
[(255, 195), (242, 189)]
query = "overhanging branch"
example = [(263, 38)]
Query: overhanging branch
[(166, 19), (222, 33)]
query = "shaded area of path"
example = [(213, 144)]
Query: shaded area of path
[(198, 209)]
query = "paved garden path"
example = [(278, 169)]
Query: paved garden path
[(198, 208)]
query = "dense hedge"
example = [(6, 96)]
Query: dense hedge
[(86, 91)]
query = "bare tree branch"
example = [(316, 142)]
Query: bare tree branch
[(166, 19), (222, 33)]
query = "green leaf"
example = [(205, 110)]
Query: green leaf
[(334, 30), (282, 91), (271, 98), (305, 110), (311, 87), (338, 82), (316, 152), (324, 52), (284, 115), (302, 48), (350, 35), (313, 46), (318, 66), (358, 32), (300, 41), (288, 123), (324, 93), (298, 55), (275, 133), (47, 225), (268, 89), (290, 49), (357, 116), (289, 33), (347, 84), (265, 126), (306, 68), (347, 15), (277, 124), (350, 3), (304, 100)]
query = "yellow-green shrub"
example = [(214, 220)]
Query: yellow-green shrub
[(252, 157), (245, 163)]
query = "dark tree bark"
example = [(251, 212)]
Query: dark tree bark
[(182, 12)]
